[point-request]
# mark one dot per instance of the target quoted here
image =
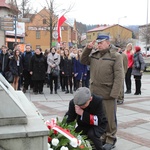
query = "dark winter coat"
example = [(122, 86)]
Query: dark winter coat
[(26, 58), (95, 108), (4, 60), (67, 67), (16, 70), (138, 64), (106, 71), (38, 67), (80, 70)]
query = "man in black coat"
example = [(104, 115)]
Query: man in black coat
[(4, 60), (88, 110), (26, 58)]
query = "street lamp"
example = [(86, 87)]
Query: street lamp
[(147, 26), (118, 25)]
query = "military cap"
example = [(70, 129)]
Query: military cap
[(102, 37)]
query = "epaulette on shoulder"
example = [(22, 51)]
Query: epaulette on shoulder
[(95, 50), (113, 54)]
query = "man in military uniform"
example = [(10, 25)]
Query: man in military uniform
[(106, 78)]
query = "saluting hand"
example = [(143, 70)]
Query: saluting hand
[(78, 110), (91, 44)]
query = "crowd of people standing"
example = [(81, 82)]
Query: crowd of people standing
[(58, 68)]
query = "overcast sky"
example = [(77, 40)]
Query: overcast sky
[(103, 11)]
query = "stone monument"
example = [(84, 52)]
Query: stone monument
[(21, 125)]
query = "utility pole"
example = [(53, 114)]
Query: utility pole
[(147, 27), (51, 23), (118, 34), (15, 19)]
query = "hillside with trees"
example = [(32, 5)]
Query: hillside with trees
[(83, 28)]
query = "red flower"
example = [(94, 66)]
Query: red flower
[(55, 132), (49, 127), (49, 139), (81, 146)]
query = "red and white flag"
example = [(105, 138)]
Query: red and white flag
[(61, 20)]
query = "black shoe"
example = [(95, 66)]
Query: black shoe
[(137, 93), (108, 146), (24, 90), (35, 93), (41, 93), (55, 92), (71, 92), (128, 92), (119, 102), (103, 142), (67, 92), (51, 92)]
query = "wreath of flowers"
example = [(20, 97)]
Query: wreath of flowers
[(62, 136)]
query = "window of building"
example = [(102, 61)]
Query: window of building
[(44, 21), (38, 46), (89, 37), (37, 34), (93, 34)]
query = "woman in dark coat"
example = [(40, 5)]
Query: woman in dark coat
[(62, 79), (67, 70), (138, 68), (38, 70), (80, 71), (16, 67)]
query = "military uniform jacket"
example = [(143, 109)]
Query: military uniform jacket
[(93, 116), (106, 72)]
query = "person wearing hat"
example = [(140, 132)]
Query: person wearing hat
[(87, 108), (138, 69), (106, 79)]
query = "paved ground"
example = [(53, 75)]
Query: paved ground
[(133, 116)]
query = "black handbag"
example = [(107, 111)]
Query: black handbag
[(137, 64), (55, 72), (9, 76)]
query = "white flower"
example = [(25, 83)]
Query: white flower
[(55, 142), (64, 148), (79, 142), (48, 145), (74, 142)]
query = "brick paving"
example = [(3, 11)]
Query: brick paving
[(133, 116)]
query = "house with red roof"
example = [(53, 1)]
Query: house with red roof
[(117, 33)]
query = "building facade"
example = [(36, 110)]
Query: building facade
[(118, 34), (8, 10), (37, 32), (4, 11)]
